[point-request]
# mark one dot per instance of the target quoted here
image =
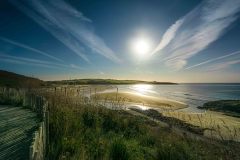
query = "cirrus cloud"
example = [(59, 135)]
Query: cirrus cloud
[(196, 31), (66, 24)]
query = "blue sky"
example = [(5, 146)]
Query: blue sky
[(187, 41)]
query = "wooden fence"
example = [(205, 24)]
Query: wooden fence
[(38, 104)]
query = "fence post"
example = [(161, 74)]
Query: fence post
[(117, 94), (95, 94), (90, 94)]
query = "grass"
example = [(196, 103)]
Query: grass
[(171, 121), (9, 79), (10, 98), (216, 125), (83, 128), (87, 130)]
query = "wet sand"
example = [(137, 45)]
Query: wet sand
[(138, 99), (217, 123)]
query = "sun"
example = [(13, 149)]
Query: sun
[(141, 46)]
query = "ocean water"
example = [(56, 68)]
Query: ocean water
[(193, 95)]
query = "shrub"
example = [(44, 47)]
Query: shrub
[(89, 119), (118, 151), (175, 151), (109, 123), (147, 141)]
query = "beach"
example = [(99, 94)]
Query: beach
[(215, 124)]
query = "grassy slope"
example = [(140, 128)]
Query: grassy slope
[(216, 123), (105, 81), (10, 79), (88, 131)]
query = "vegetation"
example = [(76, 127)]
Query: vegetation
[(229, 107), (171, 121), (103, 81), (9, 79), (215, 124), (87, 130), (9, 98), (83, 128)]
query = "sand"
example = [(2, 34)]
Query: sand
[(153, 102), (219, 125)]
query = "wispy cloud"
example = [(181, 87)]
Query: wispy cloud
[(212, 60), (222, 65), (196, 31), (101, 73), (168, 36), (15, 61), (30, 48), (36, 62), (66, 24), (75, 67)]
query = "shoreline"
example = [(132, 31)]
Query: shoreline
[(148, 101), (217, 125)]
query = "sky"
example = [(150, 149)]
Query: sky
[(195, 41)]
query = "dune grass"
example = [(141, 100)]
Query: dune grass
[(217, 125), (88, 130), (83, 128)]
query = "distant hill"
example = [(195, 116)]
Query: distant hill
[(10, 79), (103, 81)]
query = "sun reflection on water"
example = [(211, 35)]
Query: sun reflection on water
[(142, 89), (142, 107)]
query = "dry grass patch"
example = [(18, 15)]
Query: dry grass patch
[(217, 125)]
